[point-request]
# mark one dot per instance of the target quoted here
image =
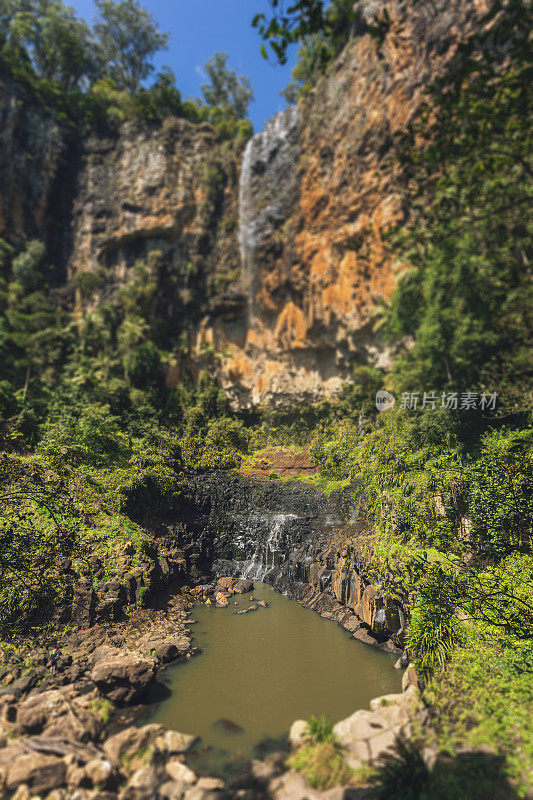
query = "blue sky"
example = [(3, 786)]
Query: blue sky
[(198, 28)]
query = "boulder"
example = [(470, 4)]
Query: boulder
[(180, 773), (141, 785), (246, 610), (351, 623), (101, 773), (170, 790), (362, 635), (210, 784), (40, 772), (199, 793), (175, 743), (25, 683), (403, 661), (123, 679), (299, 733), (75, 776), (58, 712), (227, 584), (129, 742), (366, 735), (243, 586), (409, 678), (22, 793), (221, 599), (166, 651)]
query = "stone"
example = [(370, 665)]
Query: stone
[(361, 725), (141, 785), (25, 683), (198, 793), (352, 623), (40, 772), (228, 726), (166, 651), (101, 773), (22, 793), (381, 744), (210, 784), (123, 679), (9, 754), (221, 599), (362, 635), (292, 786), (247, 610), (403, 661), (55, 794), (170, 790), (75, 776), (127, 743), (243, 586), (227, 583), (262, 603), (299, 733), (410, 678), (175, 743), (180, 772), (58, 712)]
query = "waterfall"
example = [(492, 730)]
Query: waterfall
[(267, 182), (263, 541)]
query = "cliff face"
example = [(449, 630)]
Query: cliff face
[(273, 261), (160, 193), (324, 191), (37, 162)]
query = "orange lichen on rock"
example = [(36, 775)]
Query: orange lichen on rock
[(291, 329)]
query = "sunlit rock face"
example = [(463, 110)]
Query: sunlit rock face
[(318, 192), (269, 260)]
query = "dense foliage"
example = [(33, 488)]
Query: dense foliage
[(93, 434), (449, 489), (98, 73), (465, 302)]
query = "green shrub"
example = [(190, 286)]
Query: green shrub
[(320, 728), (322, 764), (403, 775)]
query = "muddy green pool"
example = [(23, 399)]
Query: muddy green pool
[(258, 672)]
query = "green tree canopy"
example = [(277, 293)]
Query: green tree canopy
[(49, 38), (226, 89), (127, 37)]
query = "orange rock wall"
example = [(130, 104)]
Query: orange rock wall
[(321, 272)]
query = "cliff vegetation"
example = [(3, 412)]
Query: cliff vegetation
[(104, 412)]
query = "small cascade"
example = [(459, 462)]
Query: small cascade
[(268, 179), (268, 553), (262, 545)]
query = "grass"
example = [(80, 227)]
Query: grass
[(484, 697), (323, 765), (322, 760), (320, 729)]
